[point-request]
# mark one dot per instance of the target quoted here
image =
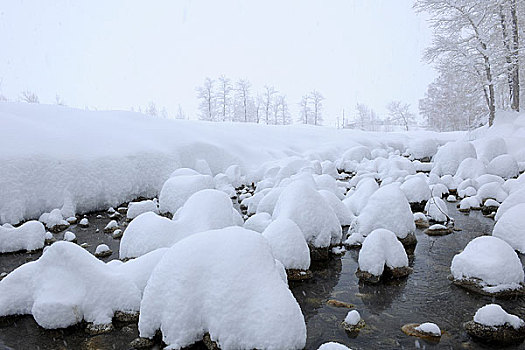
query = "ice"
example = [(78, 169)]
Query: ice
[(204, 210), (491, 260), (288, 244), (176, 190), (236, 274), (29, 236), (429, 328), (137, 208), (493, 315), (380, 248), (309, 210), (511, 227), (386, 208)]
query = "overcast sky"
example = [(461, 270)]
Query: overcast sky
[(119, 54)]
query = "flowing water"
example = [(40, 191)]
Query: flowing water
[(425, 296)]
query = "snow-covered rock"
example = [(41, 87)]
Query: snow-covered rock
[(137, 208), (309, 210), (29, 236), (54, 220), (236, 274), (341, 211), (471, 168), (494, 315), (176, 190), (357, 200), (84, 222), (258, 222), (504, 166), (492, 190), (382, 248), (449, 157), (513, 199), (429, 328), (494, 325), (422, 148), (488, 264), (288, 244), (70, 236), (333, 346), (511, 227), (437, 209), (416, 189)]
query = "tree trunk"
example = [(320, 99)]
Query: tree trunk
[(515, 104), (508, 60)]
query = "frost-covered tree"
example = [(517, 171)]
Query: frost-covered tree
[(243, 96), (206, 95), (257, 108), (316, 100), (269, 92), (151, 109), (284, 111), (59, 101), (29, 97), (180, 113), (400, 113), (304, 106), (224, 97)]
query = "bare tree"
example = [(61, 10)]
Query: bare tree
[(29, 97), (400, 113), (304, 106), (285, 113), (206, 95), (180, 113), (317, 106), (257, 107), (223, 97), (269, 91), (243, 90), (151, 109)]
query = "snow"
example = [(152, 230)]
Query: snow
[(204, 210), (258, 222), (386, 208), (288, 244), (52, 219), (84, 222), (491, 260), (358, 199), (380, 248), (436, 209), (504, 166), (471, 168), (449, 157), (101, 248), (422, 148), (489, 148), (493, 315), (512, 200), (511, 227), (113, 224), (176, 190), (451, 198), (416, 189), (492, 190), (267, 203), (29, 236), (429, 328), (352, 318), (309, 210), (69, 236), (341, 211), (236, 273), (137, 208), (333, 346)]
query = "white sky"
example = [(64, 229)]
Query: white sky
[(118, 54)]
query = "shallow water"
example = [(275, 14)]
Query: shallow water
[(425, 296)]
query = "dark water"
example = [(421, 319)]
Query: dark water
[(425, 296)]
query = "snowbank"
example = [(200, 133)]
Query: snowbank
[(511, 227), (29, 236), (234, 273)]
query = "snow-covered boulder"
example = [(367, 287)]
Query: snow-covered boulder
[(288, 244), (436, 209), (490, 147), (54, 220), (204, 210), (471, 168), (137, 208), (422, 148), (356, 154), (176, 190), (381, 249), (267, 203), (236, 274), (494, 325), (428, 330), (416, 191), (343, 213), (66, 285), (333, 346), (302, 204), (492, 190), (357, 200), (511, 227), (449, 157), (353, 321), (387, 208), (488, 265), (29, 236), (504, 166), (513, 199), (258, 222)]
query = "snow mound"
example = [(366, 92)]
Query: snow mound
[(380, 248), (387, 208), (429, 328), (66, 285), (341, 211), (422, 148), (29, 236), (489, 148), (471, 168), (53, 219), (491, 260), (437, 209), (493, 315), (504, 166), (308, 209), (137, 208), (288, 244), (492, 190), (449, 157), (352, 318), (416, 189), (512, 200), (236, 274), (176, 190), (333, 346), (258, 222), (511, 227), (203, 211), (358, 199)]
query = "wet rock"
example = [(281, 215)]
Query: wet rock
[(3, 275), (84, 223), (319, 254), (367, 276), (117, 234), (210, 344), (71, 220), (502, 335), (102, 250), (85, 245), (337, 303), (418, 206), (409, 241), (410, 329), (476, 285), (397, 272), (438, 230), (59, 227), (122, 210), (298, 275), (111, 226), (99, 328), (142, 343), (354, 328), (421, 223), (127, 317)]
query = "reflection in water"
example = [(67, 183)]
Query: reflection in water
[(425, 296)]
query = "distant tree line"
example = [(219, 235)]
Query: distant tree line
[(476, 49)]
